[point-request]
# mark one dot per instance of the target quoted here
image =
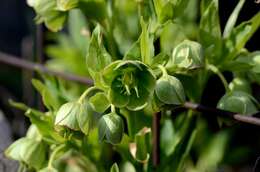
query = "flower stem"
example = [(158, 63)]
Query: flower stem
[(164, 71), (53, 155), (215, 70), (86, 92)]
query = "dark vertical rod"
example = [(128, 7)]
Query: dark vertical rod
[(39, 52), (156, 139), (40, 43)]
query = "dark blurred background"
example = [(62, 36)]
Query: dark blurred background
[(18, 37)]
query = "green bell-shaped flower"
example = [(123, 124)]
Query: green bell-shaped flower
[(67, 116), (111, 128), (187, 55), (74, 117), (240, 84), (28, 151), (168, 90), (130, 83), (239, 102)]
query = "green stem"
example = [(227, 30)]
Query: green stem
[(86, 92), (113, 108), (164, 71), (215, 70), (53, 155)]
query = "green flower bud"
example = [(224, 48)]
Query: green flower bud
[(130, 84), (28, 151), (66, 116), (169, 91), (240, 84), (239, 102), (75, 116), (111, 128), (187, 55)]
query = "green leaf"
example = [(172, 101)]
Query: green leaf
[(164, 10), (240, 35), (97, 57), (160, 59), (179, 7), (232, 19), (43, 122), (134, 53), (65, 5), (111, 128), (146, 44), (77, 25), (239, 102), (99, 102), (94, 9), (169, 90), (49, 99), (168, 137), (213, 153), (114, 168), (210, 32)]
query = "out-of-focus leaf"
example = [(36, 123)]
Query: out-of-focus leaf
[(114, 168), (78, 29), (94, 9), (213, 153), (49, 99), (167, 137)]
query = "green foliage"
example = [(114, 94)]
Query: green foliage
[(144, 56)]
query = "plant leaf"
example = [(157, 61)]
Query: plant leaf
[(232, 19), (114, 168)]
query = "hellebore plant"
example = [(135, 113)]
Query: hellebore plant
[(145, 57)]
